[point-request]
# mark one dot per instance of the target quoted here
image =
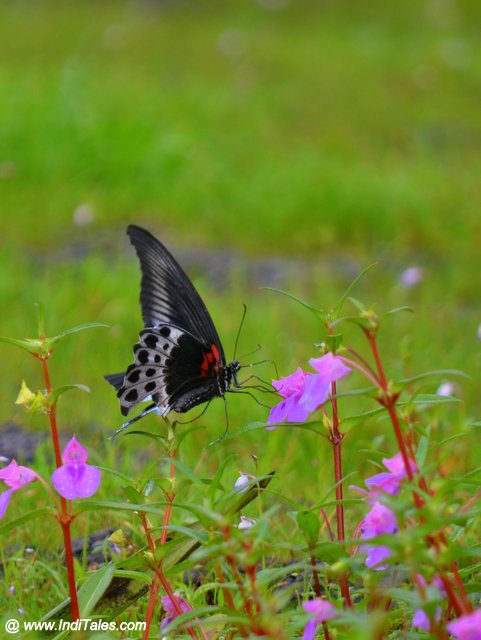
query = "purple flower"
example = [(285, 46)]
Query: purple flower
[(445, 389), (171, 610), (438, 592), (76, 479), (466, 627), (379, 521), (14, 476), (246, 523), (384, 482), (242, 481), (292, 389), (304, 392), (320, 610), (411, 277)]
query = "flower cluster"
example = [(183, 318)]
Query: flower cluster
[(304, 392)]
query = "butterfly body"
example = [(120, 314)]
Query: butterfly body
[(179, 361)]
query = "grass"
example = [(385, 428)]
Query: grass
[(334, 134)]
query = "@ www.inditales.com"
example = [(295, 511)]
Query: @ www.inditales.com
[(14, 625)]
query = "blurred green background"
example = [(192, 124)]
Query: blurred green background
[(266, 143)]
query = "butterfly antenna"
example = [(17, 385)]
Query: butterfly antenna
[(239, 330), (152, 407), (245, 355)]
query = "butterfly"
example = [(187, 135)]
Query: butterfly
[(179, 361)]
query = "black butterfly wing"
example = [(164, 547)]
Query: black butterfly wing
[(172, 367), (167, 296)]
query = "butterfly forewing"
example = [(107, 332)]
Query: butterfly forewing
[(167, 296)]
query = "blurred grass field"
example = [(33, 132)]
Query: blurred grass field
[(336, 134)]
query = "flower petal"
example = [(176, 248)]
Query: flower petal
[(15, 476), (331, 367), (74, 453), (309, 630), (292, 384), (315, 393), (289, 410), (321, 609), (466, 627), (396, 465), (4, 501), (76, 480), (376, 555)]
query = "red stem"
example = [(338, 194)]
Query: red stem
[(64, 517), (336, 437), (459, 601)]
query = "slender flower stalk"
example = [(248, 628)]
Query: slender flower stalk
[(65, 516)]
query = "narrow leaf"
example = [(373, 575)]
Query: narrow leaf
[(320, 315), (94, 588), (31, 515), (32, 346), (79, 327), (337, 308), (55, 394)]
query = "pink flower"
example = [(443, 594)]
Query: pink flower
[(171, 610), (76, 479), (466, 627), (320, 610), (420, 618), (379, 521), (14, 476), (389, 483), (304, 392), (292, 389)]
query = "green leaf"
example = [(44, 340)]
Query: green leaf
[(133, 495), (31, 515), (309, 524), (40, 319), (55, 394), (396, 310), (94, 588), (32, 346), (320, 315), (436, 373), (79, 327), (187, 432), (337, 308), (186, 471), (255, 426), (421, 451)]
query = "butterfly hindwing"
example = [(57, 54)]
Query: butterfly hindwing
[(172, 367)]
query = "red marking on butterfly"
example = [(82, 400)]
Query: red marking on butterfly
[(210, 358)]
